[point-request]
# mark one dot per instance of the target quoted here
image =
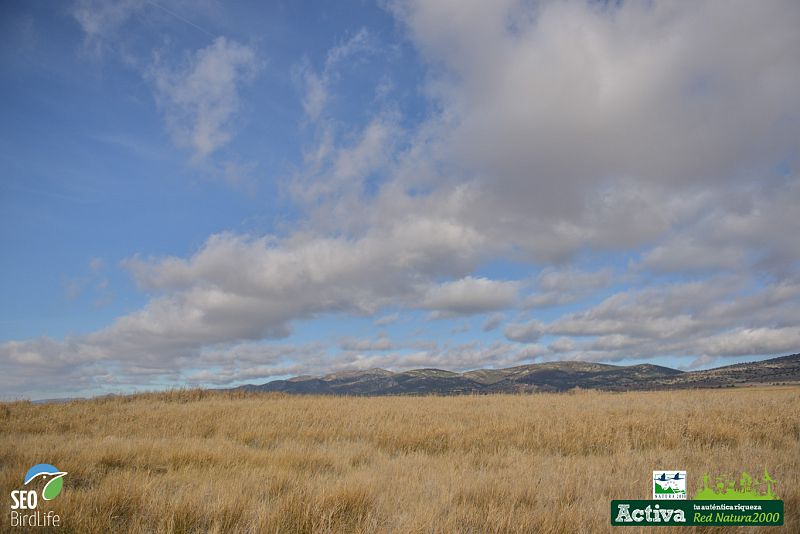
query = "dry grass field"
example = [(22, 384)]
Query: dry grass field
[(192, 461)]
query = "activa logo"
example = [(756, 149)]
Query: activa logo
[(28, 499)]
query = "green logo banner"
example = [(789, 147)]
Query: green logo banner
[(733, 513), (747, 488)]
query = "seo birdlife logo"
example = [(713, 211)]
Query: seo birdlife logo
[(25, 510)]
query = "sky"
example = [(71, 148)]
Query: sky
[(208, 193)]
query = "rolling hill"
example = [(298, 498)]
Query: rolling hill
[(550, 376)]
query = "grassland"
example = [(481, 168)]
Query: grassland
[(192, 461)]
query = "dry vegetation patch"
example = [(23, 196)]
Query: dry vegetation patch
[(197, 461)]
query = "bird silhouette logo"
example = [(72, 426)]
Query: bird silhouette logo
[(669, 484), (53, 477)]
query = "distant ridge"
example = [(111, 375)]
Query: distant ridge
[(549, 376)]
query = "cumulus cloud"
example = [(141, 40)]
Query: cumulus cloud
[(658, 91), (459, 357), (555, 287), (252, 362), (272, 284), (382, 342), (99, 18), (685, 253), (103, 21), (746, 341), (469, 296), (95, 282), (317, 85), (662, 103), (746, 229), (563, 344), (524, 332), (200, 94), (316, 93), (492, 322), (335, 172), (237, 288), (717, 317), (386, 319), (201, 98)]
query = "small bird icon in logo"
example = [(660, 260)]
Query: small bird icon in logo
[(53, 476)]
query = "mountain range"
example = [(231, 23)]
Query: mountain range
[(539, 377)]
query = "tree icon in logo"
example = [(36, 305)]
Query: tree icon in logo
[(49, 473), (748, 488)]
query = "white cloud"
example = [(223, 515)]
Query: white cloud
[(382, 342), (687, 254), (316, 95), (200, 95), (492, 322), (236, 289), (240, 175), (716, 317), (747, 341), (336, 173), (271, 285), (460, 357), (469, 296), (555, 287), (386, 319), (745, 228), (104, 22), (598, 126), (360, 43), (201, 98), (96, 265), (658, 91), (100, 18), (528, 332), (317, 85), (95, 282), (563, 344)]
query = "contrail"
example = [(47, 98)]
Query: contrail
[(189, 22)]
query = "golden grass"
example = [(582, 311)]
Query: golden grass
[(191, 461)]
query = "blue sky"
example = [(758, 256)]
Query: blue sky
[(216, 193)]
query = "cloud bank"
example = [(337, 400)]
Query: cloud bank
[(639, 158)]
